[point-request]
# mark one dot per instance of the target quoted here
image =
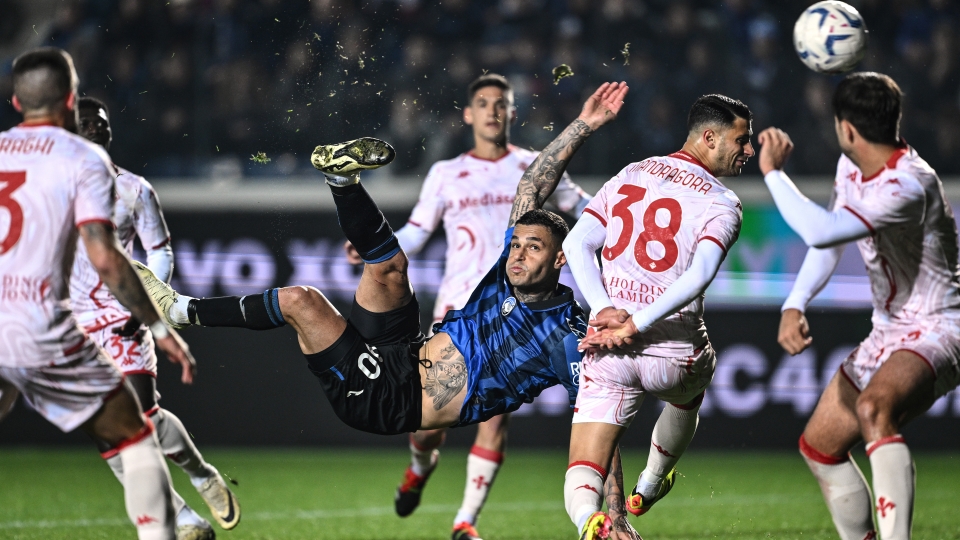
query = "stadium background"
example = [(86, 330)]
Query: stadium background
[(197, 87)]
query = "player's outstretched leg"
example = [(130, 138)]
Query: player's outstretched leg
[(424, 457), (483, 463), (671, 435), (830, 433)]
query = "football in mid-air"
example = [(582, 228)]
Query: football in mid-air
[(830, 37)]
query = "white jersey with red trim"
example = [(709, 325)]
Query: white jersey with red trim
[(656, 212), (473, 198), (51, 182), (136, 213), (911, 254)]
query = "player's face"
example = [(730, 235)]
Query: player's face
[(535, 257), (95, 126), (733, 149), (489, 113)]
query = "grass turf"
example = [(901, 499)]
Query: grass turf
[(320, 494)]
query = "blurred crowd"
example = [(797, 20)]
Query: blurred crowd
[(196, 87)]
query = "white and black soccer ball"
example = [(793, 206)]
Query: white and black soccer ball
[(830, 37)]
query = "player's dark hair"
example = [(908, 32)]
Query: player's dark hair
[(89, 102), (716, 109), (490, 79), (43, 78), (873, 103), (545, 218)]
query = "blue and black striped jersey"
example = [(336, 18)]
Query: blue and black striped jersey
[(513, 351)]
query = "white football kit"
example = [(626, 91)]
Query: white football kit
[(655, 214), (136, 214), (912, 262), (51, 182), (473, 197)]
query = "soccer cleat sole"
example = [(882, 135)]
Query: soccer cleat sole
[(341, 159), (162, 294), (465, 531), (599, 526), (635, 504), (196, 532), (221, 502)]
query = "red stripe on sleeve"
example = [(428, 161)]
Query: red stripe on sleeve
[(861, 218), (161, 244), (596, 215), (715, 241), (104, 221)]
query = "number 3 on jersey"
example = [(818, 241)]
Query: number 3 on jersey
[(9, 182), (652, 232)]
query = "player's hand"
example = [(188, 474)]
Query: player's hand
[(132, 329), (179, 353), (622, 529), (775, 148), (609, 340), (609, 317), (794, 335), (604, 104), (353, 256)]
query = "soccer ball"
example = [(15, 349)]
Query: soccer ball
[(830, 37)]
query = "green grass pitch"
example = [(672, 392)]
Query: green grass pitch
[(344, 494)]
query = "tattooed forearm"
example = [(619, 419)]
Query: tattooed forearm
[(543, 175), (116, 272), (445, 377)]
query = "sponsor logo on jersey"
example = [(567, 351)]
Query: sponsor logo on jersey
[(575, 373)]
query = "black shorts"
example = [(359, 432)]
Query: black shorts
[(371, 374)]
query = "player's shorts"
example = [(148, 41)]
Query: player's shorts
[(67, 394), (132, 356), (935, 340), (371, 374), (612, 387)]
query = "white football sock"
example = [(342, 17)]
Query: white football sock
[(179, 505), (422, 460), (482, 467), (177, 312), (583, 491), (893, 484), (671, 436), (146, 486), (177, 446), (188, 516), (845, 491)]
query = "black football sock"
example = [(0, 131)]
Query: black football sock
[(254, 312), (364, 224)]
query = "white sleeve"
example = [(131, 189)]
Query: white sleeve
[(160, 261), (817, 226), (580, 248), (814, 274), (569, 198), (412, 238), (706, 262)]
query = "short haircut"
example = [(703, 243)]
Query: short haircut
[(43, 78), (490, 79), (554, 223), (873, 103), (90, 102), (716, 109)]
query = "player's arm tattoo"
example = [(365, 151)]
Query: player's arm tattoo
[(613, 493), (543, 175), (116, 272), (445, 377)]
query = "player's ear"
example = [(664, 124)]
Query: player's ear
[(513, 114), (468, 115), (17, 105), (561, 260), (71, 101), (709, 138)]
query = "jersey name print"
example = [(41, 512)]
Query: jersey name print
[(136, 213), (911, 254), (656, 212), (51, 182), (473, 198)]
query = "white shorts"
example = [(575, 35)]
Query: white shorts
[(66, 394), (133, 357), (612, 387), (936, 341)]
